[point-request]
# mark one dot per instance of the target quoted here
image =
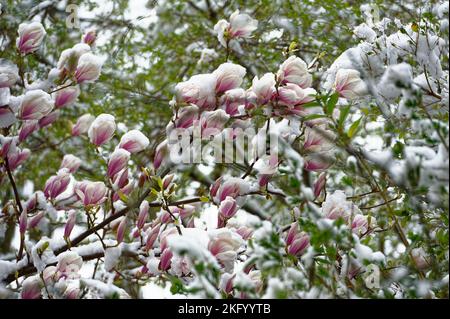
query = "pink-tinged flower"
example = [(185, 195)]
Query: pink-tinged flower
[(421, 258), (28, 127), (71, 293), (167, 180), (294, 70), (229, 76), (143, 214), (240, 26), (89, 37), (318, 162), (319, 185), (337, 206), (71, 163), (184, 212), (23, 222), (266, 167), (89, 68), (66, 97), (318, 139), (215, 187), (349, 84), (233, 187), (165, 260), (102, 129), (118, 160), (68, 60), (126, 190), (200, 90), (360, 224), (17, 158), (31, 288), (30, 37), (232, 100), (293, 95), (91, 193), (35, 220), (7, 145), (152, 235), (57, 184), (245, 232), (9, 73), (223, 245), (83, 124), (120, 180), (35, 105), (296, 241), (121, 230), (213, 122), (49, 119), (134, 141), (264, 88), (71, 219), (160, 154), (186, 116), (228, 207), (68, 266), (226, 283)]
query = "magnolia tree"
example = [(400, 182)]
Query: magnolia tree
[(295, 177)]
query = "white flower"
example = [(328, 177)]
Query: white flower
[(264, 88), (240, 26), (294, 70), (349, 85), (229, 76), (336, 206)]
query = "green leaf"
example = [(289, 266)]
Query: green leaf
[(343, 115), (354, 128), (331, 103)]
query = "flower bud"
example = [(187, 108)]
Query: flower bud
[(66, 97), (31, 288), (36, 220), (16, 158), (319, 185), (228, 207), (23, 220), (160, 154), (89, 68), (71, 163), (166, 260), (152, 234), (102, 129), (121, 230), (71, 219), (134, 141), (49, 119), (83, 124), (35, 105), (91, 193), (28, 127), (143, 214), (57, 184), (167, 180), (89, 37), (30, 37), (264, 88), (118, 160)]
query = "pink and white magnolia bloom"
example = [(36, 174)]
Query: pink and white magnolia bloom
[(229, 76), (118, 160), (31, 288), (240, 26), (319, 185), (102, 129), (68, 266), (71, 163), (69, 58), (28, 127), (89, 37), (349, 84), (71, 219), (143, 214), (264, 88), (318, 139), (228, 207), (318, 162), (57, 184), (49, 119), (224, 245), (213, 122), (293, 95), (30, 37), (66, 96), (9, 73), (161, 153), (185, 117), (361, 224), (200, 90), (23, 222), (16, 158), (165, 260), (133, 141), (294, 70), (232, 187), (89, 68), (121, 230), (91, 193), (232, 100), (297, 242), (35, 220), (35, 105), (337, 206), (152, 235), (83, 124), (266, 167)]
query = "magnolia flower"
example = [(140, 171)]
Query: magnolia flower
[(102, 129), (233, 187), (199, 90), (160, 154), (229, 76), (71, 163), (71, 219), (23, 222), (185, 118), (264, 88), (17, 157), (9, 73), (69, 58), (292, 95), (348, 84), (318, 139), (134, 141), (7, 145), (294, 70), (30, 37), (223, 245), (121, 230), (57, 184), (143, 214), (361, 224), (83, 124), (318, 162), (118, 160), (66, 96), (266, 167), (36, 220), (296, 241), (240, 26), (336, 206), (212, 123), (27, 128), (35, 105), (89, 37), (49, 119), (152, 235), (91, 193), (165, 260), (89, 68), (228, 208), (68, 266), (120, 180), (319, 185), (232, 100), (31, 288)]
